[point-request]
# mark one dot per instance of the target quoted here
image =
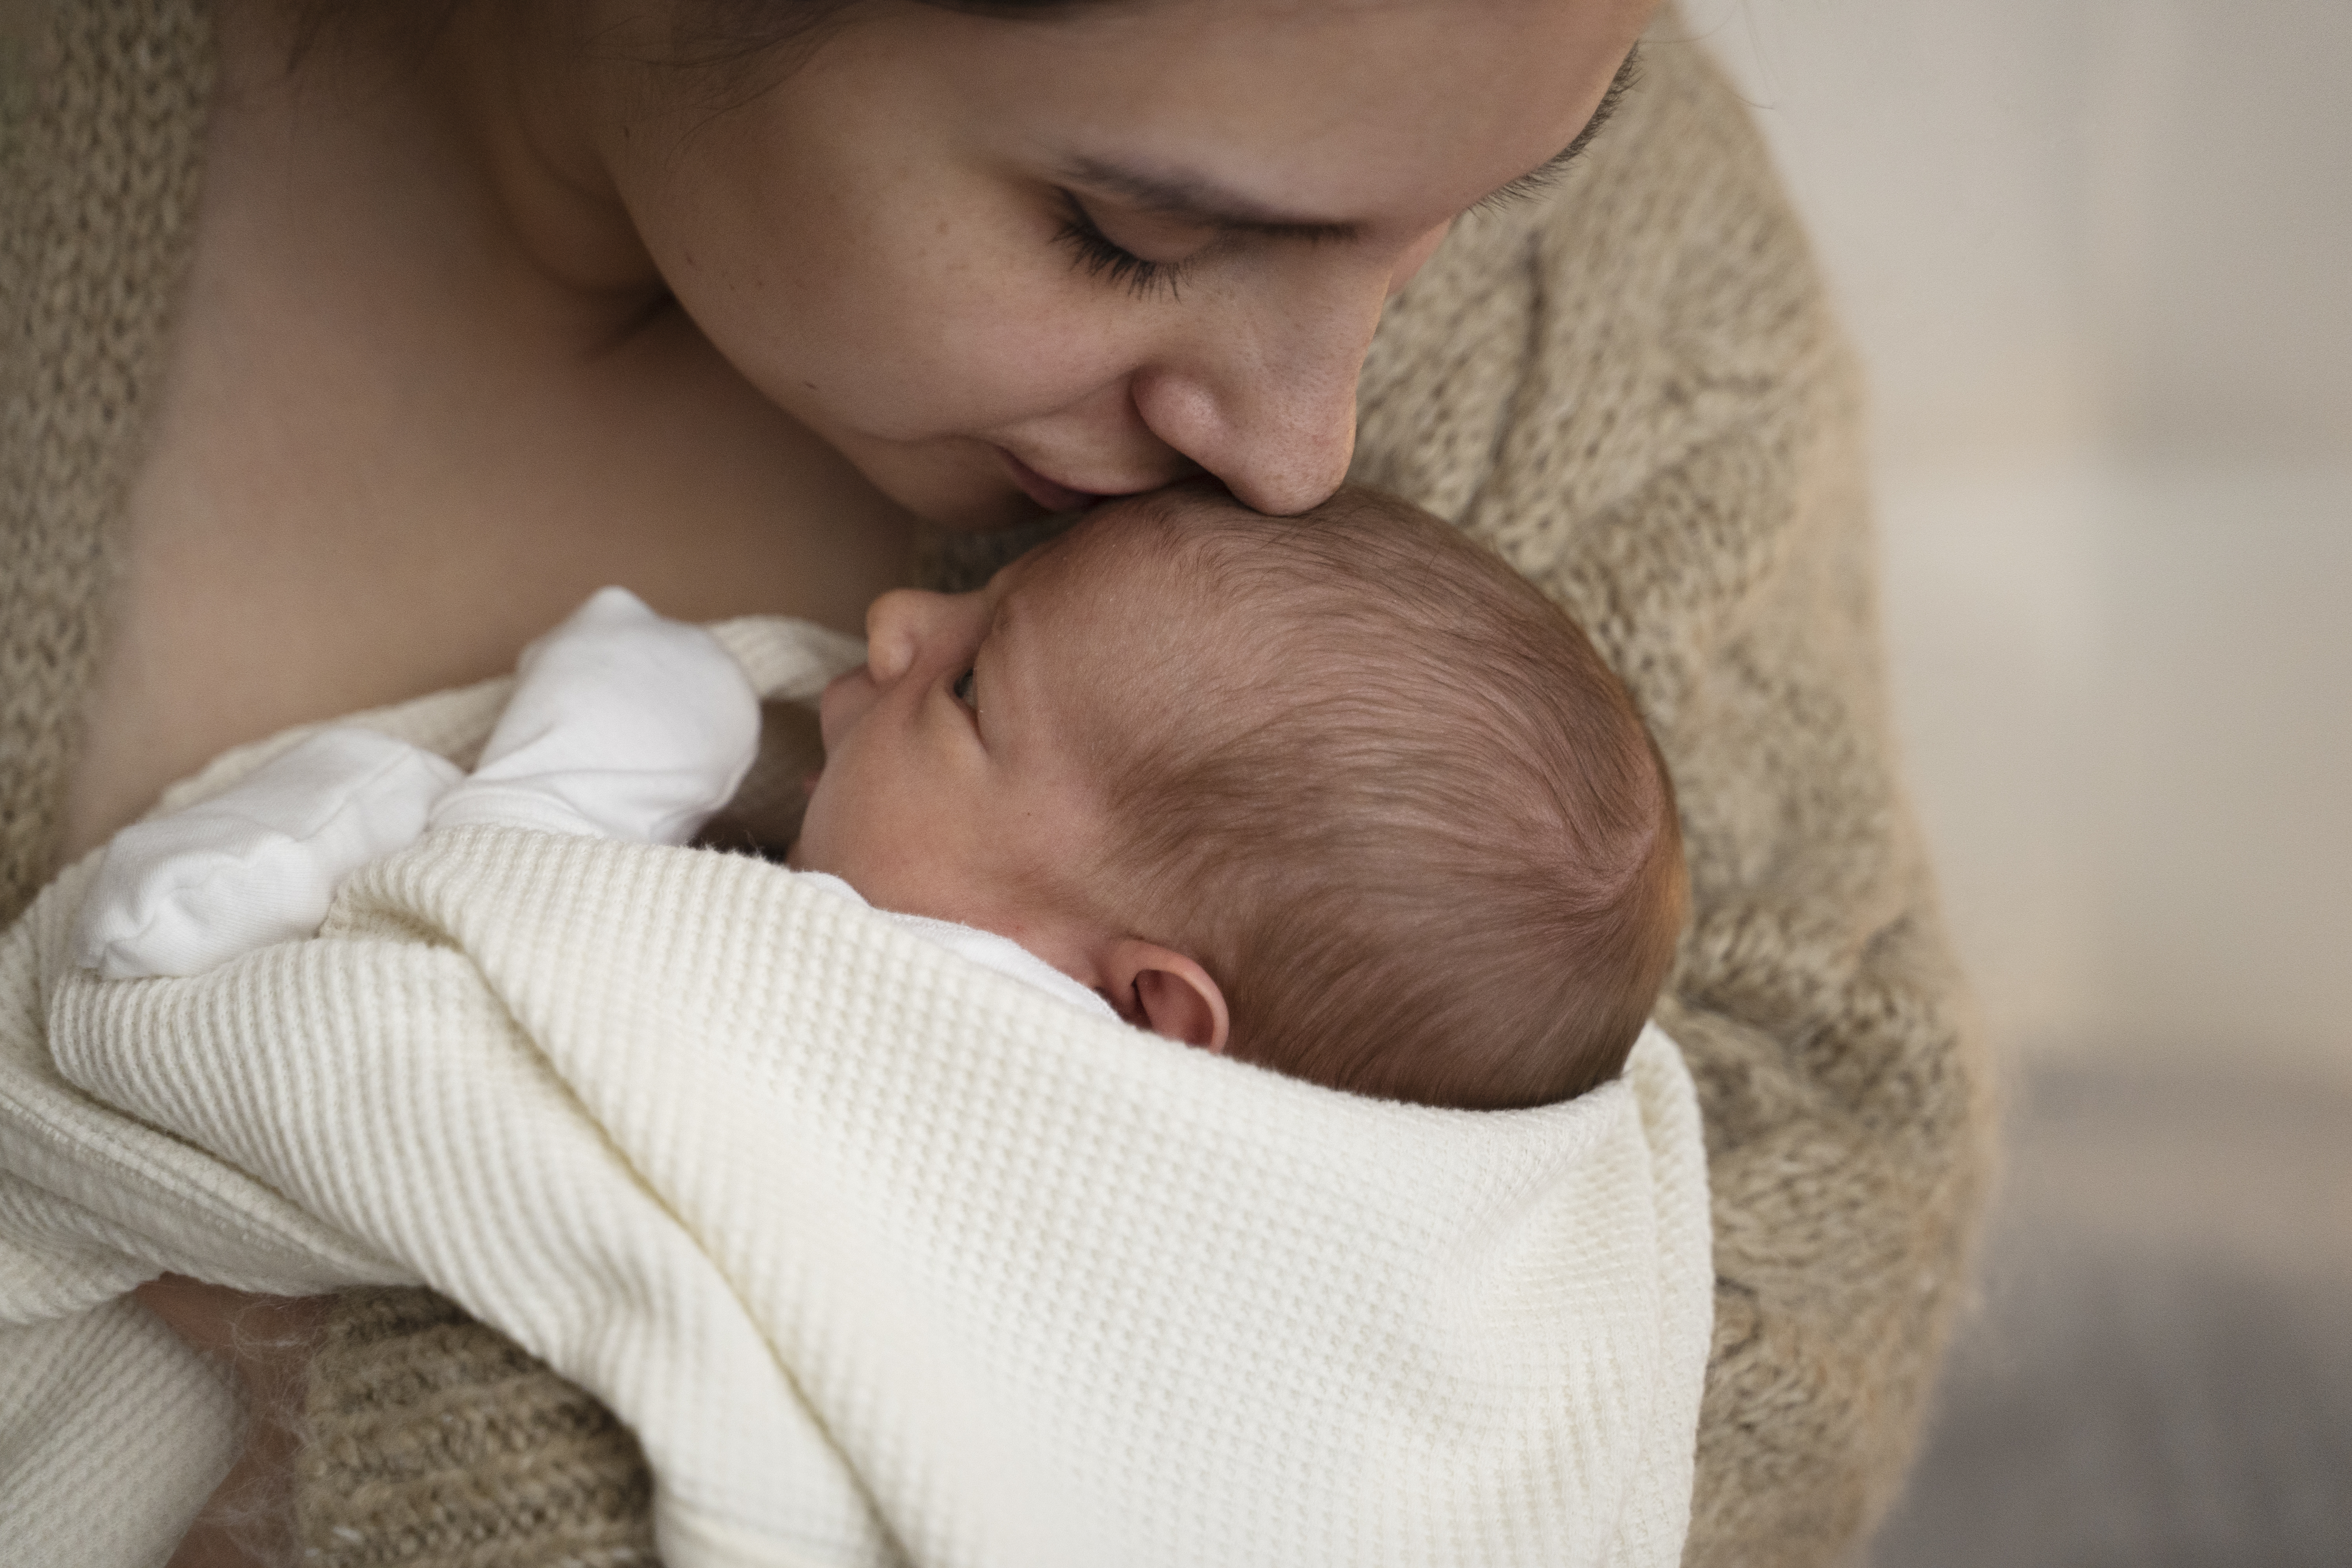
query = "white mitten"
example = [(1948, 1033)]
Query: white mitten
[(622, 725), (260, 862)]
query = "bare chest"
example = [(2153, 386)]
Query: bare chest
[(386, 456)]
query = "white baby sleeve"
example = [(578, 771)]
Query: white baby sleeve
[(260, 862), (622, 725)]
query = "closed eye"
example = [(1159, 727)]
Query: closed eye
[(1101, 257)]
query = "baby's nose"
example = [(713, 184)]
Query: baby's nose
[(893, 633)]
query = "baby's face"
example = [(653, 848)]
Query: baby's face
[(955, 784)]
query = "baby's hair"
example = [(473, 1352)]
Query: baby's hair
[(1394, 802)]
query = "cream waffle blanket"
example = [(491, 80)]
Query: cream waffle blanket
[(886, 1257)]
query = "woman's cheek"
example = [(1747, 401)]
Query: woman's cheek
[(902, 307), (979, 341)]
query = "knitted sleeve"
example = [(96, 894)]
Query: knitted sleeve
[(1637, 394), (433, 1441), (103, 108), (1633, 390)]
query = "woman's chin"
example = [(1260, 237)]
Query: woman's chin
[(960, 483), (989, 515)]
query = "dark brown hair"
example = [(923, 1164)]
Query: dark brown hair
[(1393, 801), (728, 34)]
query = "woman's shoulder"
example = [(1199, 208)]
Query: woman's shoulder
[(100, 95), (1662, 293), (102, 111), (103, 105)]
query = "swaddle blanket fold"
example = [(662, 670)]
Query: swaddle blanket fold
[(886, 1257)]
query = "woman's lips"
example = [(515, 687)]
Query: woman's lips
[(1047, 493)]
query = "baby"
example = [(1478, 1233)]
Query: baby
[(1339, 794)]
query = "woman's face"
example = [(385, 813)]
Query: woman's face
[(1004, 264)]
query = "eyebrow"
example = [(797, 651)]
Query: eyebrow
[(1193, 199), (1196, 200), (1535, 182)]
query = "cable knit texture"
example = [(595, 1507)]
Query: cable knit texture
[(99, 164), (442, 1445), (1634, 390)]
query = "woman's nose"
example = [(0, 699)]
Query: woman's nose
[(1265, 398)]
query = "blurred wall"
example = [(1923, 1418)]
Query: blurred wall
[(2098, 255)]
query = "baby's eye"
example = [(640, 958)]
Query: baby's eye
[(964, 691)]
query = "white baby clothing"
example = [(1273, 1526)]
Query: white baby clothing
[(622, 725), (885, 1258), (182, 893)]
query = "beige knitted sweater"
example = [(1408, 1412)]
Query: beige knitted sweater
[(1634, 389)]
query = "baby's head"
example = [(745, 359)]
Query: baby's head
[(1339, 793)]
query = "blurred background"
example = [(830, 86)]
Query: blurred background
[(2098, 255)]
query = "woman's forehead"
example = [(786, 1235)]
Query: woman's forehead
[(1307, 112)]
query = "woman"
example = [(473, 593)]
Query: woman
[(723, 300)]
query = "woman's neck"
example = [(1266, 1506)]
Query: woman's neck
[(525, 99), (542, 91)]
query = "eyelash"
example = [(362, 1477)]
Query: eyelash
[(1101, 258), (1528, 187)]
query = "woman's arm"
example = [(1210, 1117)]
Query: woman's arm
[(249, 1519), (388, 1427), (1815, 997), (1639, 396)]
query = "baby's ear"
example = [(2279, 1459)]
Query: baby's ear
[(1159, 989)]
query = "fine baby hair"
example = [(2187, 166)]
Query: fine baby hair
[(1388, 795)]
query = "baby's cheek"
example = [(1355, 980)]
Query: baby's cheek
[(861, 835), (815, 848)]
